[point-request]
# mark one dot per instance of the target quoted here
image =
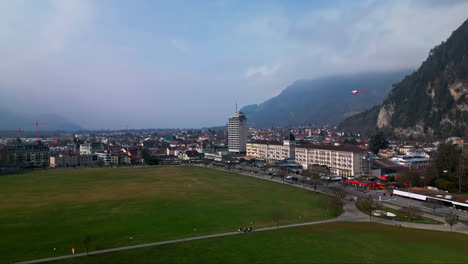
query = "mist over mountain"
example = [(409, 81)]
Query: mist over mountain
[(12, 121), (323, 101), (431, 102)]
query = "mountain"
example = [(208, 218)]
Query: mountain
[(323, 101), (12, 121), (431, 102)]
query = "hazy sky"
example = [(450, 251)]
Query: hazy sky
[(107, 63)]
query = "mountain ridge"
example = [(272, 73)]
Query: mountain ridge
[(321, 101), (431, 102)]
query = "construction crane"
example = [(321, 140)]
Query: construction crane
[(19, 132), (37, 128)]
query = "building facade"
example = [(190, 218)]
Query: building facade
[(25, 155), (271, 151), (345, 160), (237, 133), (65, 160)]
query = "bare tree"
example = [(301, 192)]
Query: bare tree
[(451, 219), (367, 205), (411, 212), (282, 172), (87, 242), (410, 177), (337, 197), (278, 214), (434, 204)]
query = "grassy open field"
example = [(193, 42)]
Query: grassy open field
[(49, 209), (323, 243)]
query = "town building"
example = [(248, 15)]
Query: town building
[(382, 168), (86, 160), (205, 147), (237, 133), (345, 160), (411, 161), (85, 149), (65, 159), (271, 151), (189, 155), (24, 155), (387, 153)]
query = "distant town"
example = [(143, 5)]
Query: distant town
[(321, 151)]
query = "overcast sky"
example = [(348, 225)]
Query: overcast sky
[(107, 63)]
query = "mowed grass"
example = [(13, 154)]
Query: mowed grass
[(323, 243), (49, 209)]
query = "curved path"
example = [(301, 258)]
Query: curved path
[(350, 214)]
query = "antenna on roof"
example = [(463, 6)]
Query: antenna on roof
[(236, 107)]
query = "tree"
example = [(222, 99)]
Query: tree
[(147, 158), (337, 197), (314, 178), (87, 242), (434, 204), (367, 205), (277, 215), (282, 172), (377, 142), (447, 168), (228, 167), (451, 219), (408, 177), (411, 212)]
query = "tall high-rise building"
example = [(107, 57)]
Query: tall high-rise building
[(237, 133)]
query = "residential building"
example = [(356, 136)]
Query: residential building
[(189, 155), (387, 153), (271, 151), (418, 153), (205, 147), (25, 155), (85, 149), (65, 159), (406, 148), (237, 133), (125, 159), (345, 160), (88, 159)]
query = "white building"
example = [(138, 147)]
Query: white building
[(412, 162), (272, 150), (345, 160), (237, 133), (85, 149)]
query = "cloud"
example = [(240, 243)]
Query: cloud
[(363, 36), (181, 45), (261, 71)]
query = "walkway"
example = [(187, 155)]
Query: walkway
[(172, 241), (350, 214)]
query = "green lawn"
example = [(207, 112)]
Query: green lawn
[(404, 217), (401, 216), (324, 243), (50, 209)]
